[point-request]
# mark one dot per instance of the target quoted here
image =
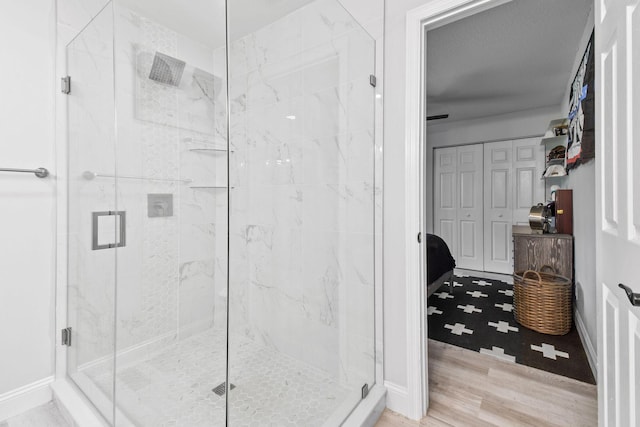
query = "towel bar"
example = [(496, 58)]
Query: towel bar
[(40, 172)]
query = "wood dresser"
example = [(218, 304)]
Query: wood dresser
[(532, 251)]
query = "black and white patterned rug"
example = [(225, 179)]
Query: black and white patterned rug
[(479, 316)]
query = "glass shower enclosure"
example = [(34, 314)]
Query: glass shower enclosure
[(220, 210)]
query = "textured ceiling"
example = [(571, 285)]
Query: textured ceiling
[(510, 58)]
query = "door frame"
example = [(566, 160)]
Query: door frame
[(431, 15)]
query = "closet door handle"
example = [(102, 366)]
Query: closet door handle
[(634, 298)]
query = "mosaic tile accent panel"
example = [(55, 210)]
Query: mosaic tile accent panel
[(166, 283), (149, 266)]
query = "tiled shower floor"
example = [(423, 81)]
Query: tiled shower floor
[(174, 387)]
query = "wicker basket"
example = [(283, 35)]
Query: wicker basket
[(543, 301)]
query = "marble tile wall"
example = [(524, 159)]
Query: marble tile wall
[(302, 207)]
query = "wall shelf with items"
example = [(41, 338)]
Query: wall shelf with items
[(555, 147)]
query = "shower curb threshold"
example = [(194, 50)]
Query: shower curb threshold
[(74, 406), (367, 413)]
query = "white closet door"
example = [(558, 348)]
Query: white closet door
[(445, 196), (498, 206), (528, 185), (470, 210)]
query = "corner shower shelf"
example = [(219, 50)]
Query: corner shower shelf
[(205, 141), (204, 187), (221, 150)]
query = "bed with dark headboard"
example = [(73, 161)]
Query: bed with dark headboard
[(440, 264)]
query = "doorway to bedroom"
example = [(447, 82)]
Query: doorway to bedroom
[(495, 81)]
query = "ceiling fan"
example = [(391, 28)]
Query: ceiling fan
[(438, 117)]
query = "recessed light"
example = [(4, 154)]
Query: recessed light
[(291, 117)]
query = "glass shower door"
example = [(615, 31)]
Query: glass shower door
[(147, 213), (93, 223), (301, 285)]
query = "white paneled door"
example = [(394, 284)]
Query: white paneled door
[(469, 218), (458, 203), (617, 60), (445, 197), (528, 186), (498, 206), (480, 191)]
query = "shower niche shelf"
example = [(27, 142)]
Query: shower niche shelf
[(210, 150), (205, 141), (211, 187)]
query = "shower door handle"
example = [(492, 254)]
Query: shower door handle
[(101, 221)]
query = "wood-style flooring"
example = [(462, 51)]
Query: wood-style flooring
[(467, 388)]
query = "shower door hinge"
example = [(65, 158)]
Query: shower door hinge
[(372, 80), (66, 336), (365, 390), (65, 85)]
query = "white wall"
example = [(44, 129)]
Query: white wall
[(27, 213), (583, 182), (395, 328), (514, 125)]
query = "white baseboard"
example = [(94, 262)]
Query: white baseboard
[(27, 397), (397, 398), (508, 278), (592, 356)]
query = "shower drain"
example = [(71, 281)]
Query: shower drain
[(222, 389)]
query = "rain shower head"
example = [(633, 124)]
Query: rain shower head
[(166, 69)]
